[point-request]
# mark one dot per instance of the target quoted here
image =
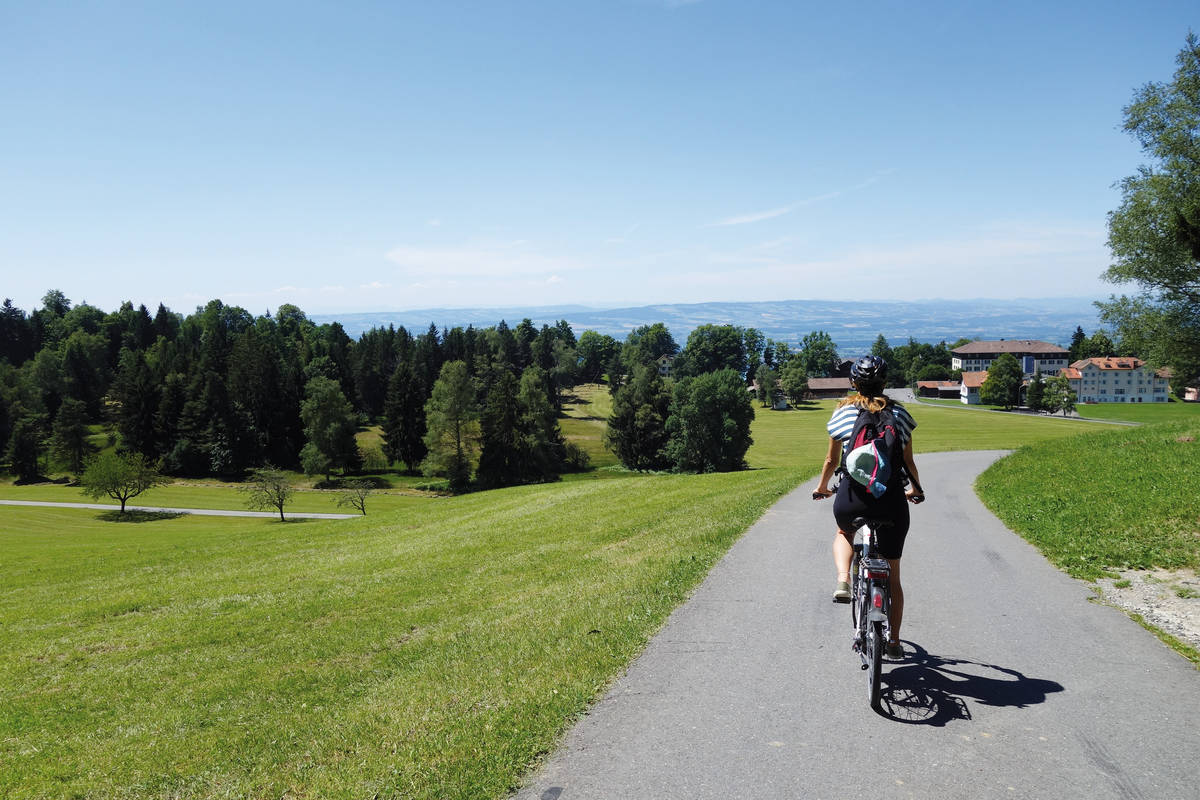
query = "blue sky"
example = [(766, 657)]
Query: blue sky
[(384, 156)]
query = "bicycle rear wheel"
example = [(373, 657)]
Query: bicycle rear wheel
[(874, 650)]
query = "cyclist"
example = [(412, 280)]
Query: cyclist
[(868, 375)]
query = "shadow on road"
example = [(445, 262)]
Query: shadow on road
[(927, 689)]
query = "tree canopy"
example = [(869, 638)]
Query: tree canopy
[(1154, 234)]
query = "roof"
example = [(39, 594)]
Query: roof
[(1111, 363), (938, 384), (1008, 346), (973, 380), (828, 384), (1071, 373)]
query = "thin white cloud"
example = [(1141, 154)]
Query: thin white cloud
[(759, 216), (754, 216), (506, 259)]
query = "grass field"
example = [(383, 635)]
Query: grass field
[(1141, 412), (428, 654), (1122, 498), (431, 650)]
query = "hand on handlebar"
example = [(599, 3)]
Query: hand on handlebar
[(915, 495), (821, 495)]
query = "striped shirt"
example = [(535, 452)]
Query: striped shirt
[(841, 424)]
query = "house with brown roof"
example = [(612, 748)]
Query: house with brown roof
[(969, 390), (1117, 380), (1032, 355), (828, 387), (944, 389)]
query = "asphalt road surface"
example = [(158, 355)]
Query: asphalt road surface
[(1015, 684)]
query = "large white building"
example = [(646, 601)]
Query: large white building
[(1117, 380), (1031, 355)]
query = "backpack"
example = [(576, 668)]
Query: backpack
[(874, 450)]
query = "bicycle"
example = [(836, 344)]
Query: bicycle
[(870, 604)]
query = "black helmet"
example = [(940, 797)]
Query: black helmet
[(869, 375)]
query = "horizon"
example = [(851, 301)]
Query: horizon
[(542, 154)]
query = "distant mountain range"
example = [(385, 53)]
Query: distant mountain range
[(854, 326)]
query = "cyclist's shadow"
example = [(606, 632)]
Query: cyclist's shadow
[(926, 689)]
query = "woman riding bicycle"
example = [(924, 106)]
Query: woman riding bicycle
[(869, 377)]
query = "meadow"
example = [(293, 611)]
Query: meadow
[(431, 650)]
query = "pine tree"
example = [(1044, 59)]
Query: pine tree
[(404, 418), (452, 427)]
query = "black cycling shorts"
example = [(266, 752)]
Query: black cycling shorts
[(853, 500)]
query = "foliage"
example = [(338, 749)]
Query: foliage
[(818, 354), (452, 427), (404, 426), (637, 429), (24, 453), (709, 423), (355, 496), (1154, 235), (121, 476), (1058, 395), (711, 348), (646, 344), (768, 385), (69, 437), (268, 488), (1002, 387), (794, 381), (330, 423), (595, 352), (1036, 395)]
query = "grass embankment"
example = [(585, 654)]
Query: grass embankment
[(1111, 500), (429, 654), (1147, 413)]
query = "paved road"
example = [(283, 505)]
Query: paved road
[(1017, 686), (208, 512)]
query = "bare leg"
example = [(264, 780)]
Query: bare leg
[(843, 549), (896, 615)]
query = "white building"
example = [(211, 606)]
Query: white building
[(972, 382), (1031, 355), (1117, 380)]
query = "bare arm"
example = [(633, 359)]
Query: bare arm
[(832, 459), (914, 488)]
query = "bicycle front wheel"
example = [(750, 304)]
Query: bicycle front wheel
[(874, 647)]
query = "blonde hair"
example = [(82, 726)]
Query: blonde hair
[(872, 404)]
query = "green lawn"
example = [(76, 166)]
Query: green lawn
[(1141, 412), (429, 654), (1116, 499)]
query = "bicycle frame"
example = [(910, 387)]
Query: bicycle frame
[(870, 602)]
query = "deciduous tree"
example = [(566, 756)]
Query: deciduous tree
[(709, 423), (452, 427), (1002, 387), (268, 488), (121, 476), (1154, 235)]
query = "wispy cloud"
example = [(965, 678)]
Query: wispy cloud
[(501, 260), (759, 216)]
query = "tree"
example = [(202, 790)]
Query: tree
[(1078, 345), (69, 436), (881, 348), (404, 418), (768, 385), (1154, 235), (794, 381), (709, 423), (268, 488), (1059, 396), (646, 345), (24, 453), (452, 426), (330, 423), (595, 351), (637, 428), (121, 476), (818, 354), (1002, 387), (711, 348), (1035, 398), (355, 495)]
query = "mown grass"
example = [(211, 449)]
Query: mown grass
[(430, 653), (585, 416), (1111, 500), (1148, 413)]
